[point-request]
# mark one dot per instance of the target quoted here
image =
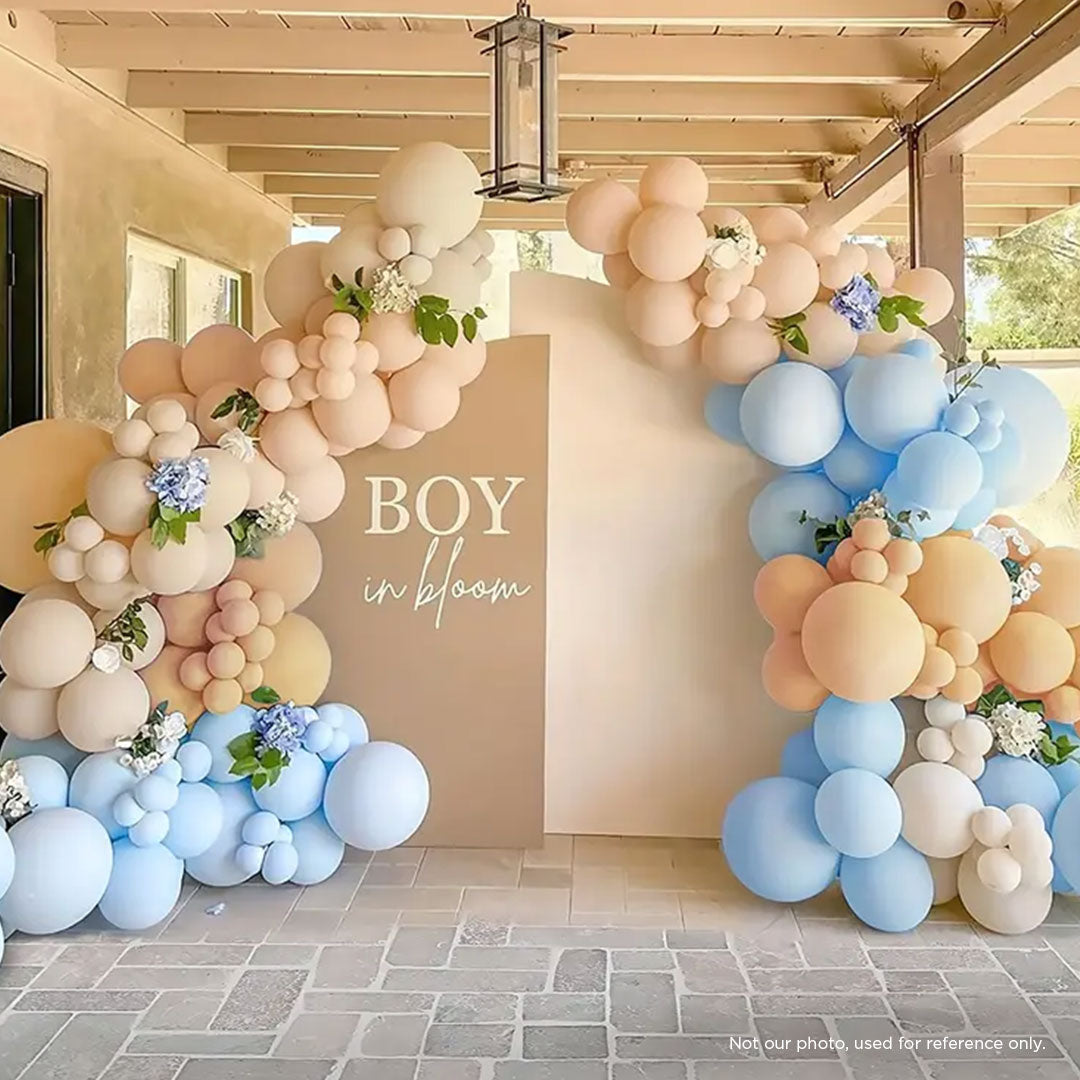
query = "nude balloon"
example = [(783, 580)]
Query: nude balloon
[(424, 397), (294, 281), (149, 368), (788, 278), (830, 336), (395, 336), (174, 568), (220, 353), (681, 357), (464, 360), (620, 270), (228, 490), (320, 489), (28, 712), (46, 644), (661, 312), (360, 420), (117, 495), (735, 352), (400, 437), (880, 265), (1058, 594), (96, 708), (667, 243), (266, 479), (599, 215), (777, 224), (930, 286), (291, 566), (674, 181), (292, 440)]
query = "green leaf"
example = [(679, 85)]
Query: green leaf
[(159, 533), (438, 304), (428, 325), (448, 327), (244, 767), (272, 758), (1031, 706), (265, 695), (242, 745), (479, 312), (178, 530), (167, 513), (224, 408), (258, 781), (887, 320), (468, 326)]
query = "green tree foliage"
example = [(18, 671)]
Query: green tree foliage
[(534, 251)]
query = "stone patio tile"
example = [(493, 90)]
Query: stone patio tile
[(767, 951), (918, 982), (132, 1067), (927, 1014), (568, 1008), (448, 1070), (770, 1070), (711, 972), (421, 946), (475, 1008), (830, 943), (266, 1069), (1003, 1070), (581, 970), (24, 1035), (642, 960), (282, 956), (347, 967), (477, 931), (676, 1047), (649, 1070), (393, 1036), (167, 978), (470, 867), (16, 976), (202, 1043), (360, 1001), (78, 967), (803, 1039), (997, 1014), (696, 939), (643, 1002), (181, 1010), (817, 1005), (932, 959), (261, 1001), (714, 1014), (379, 1070), (460, 979), (550, 1070), (815, 981), (82, 1049), (586, 937), (160, 955), (317, 1033), (501, 958), (553, 1041), (84, 1001), (469, 1040), (1039, 971)]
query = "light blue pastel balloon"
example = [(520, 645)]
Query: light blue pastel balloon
[(893, 891), (150, 829), (126, 810), (377, 796), (7, 861), (345, 718), (63, 860), (96, 784), (1003, 462), (791, 414), (772, 843), (919, 347), (170, 770), (284, 835), (261, 829), (317, 736), (893, 398), (195, 760), (144, 886), (975, 512), (925, 522), (800, 760), (842, 375), (859, 735), (855, 468), (961, 417), (217, 864), (774, 523), (319, 849), (45, 779), (298, 791), (1067, 774), (155, 792), (990, 411), (1064, 833), (940, 470), (858, 813), (722, 412), (1007, 780), (985, 437), (195, 820), (279, 863), (53, 746), (337, 748), (249, 858), (1060, 884), (217, 731)]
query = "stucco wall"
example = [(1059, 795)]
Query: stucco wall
[(110, 171)]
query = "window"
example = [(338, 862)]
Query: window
[(174, 295)]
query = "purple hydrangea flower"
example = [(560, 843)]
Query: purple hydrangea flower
[(280, 727), (180, 483), (858, 302)]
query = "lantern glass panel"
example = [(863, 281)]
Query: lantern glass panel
[(517, 85)]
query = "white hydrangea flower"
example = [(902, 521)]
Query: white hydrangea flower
[(106, 658), (14, 794), (1017, 731), (873, 506), (734, 244), (390, 292), (154, 743), (238, 443), (278, 516)]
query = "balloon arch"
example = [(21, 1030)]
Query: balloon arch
[(160, 694)]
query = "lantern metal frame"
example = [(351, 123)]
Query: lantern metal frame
[(516, 188)]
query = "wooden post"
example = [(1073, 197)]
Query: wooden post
[(939, 217)]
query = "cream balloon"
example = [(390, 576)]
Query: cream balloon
[(174, 568), (1014, 912), (228, 489), (777, 225), (599, 215), (220, 556), (661, 312), (425, 396), (830, 336), (292, 440), (117, 496), (738, 350), (220, 353), (294, 281), (150, 368), (320, 489), (749, 305), (944, 872), (394, 335), (115, 595), (620, 270), (880, 265), (208, 402), (788, 278), (266, 479), (465, 360), (455, 279), (360, 420), (46, 644), (28, 712), (932, 287), (107, 562), (355, 248), (674, 181), (822, 241), (938, 803), (155, 634), (400, 437), (96, 708), (667, 243)]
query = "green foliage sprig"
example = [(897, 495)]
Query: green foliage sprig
[(167, 523), (52, 532), (827, 533), (892, 308), (436, 323), (127, 630), (249, 539), (249, 758), (249, 412), (790, 329), (354, 298), (1050, 751)]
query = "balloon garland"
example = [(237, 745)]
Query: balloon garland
[(886, 573), (155, 665)]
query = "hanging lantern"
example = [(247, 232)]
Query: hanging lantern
[(524, 107)]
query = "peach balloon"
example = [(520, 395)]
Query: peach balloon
[(424, 397), (1058, 594), (681, 357), (880, 265), (251, 678), (735, 352), (194, 673), (172, 569), (233, 590), (162, 679), (599, 215), (28, 712), (400, 437), (869, 565), (291, 566), (117, 495), (215, 630), (960, 583), (711, 313), (965, 687), (334, 385), (1032, 652), (228, 489), (360, 420), (661, 312), (1063, 703), (274, 395), (317, 315), (749, 305), (788, 278), (222, 695), (1031, 541), (620, 270), (903, 556), (464, 361), (96, 708), (863, 642), (784, 589), (320, 489), (837, 270), (149, 368), (225, 660), (46, 644), (239, 616), (259, 644), (342, 324), (220, 353), (270, 606), (960, 645), (185, 617), (872, 533), (938, 668), (207, 402), (786, 677), (292, 440), (299, 667), (777, 224), (278, 358), (267, 481), (822, 241), (676, 181), (830, 336), (930, 286), (394, 335), (880, 342), (294, 281), (667, 243), (187, 400), (220, 556)]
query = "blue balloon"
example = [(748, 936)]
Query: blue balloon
[(856, 468), (95, 785), (217, 864), (791, 414), (7, 861), (337, 748), (63, 860), (940, 470), (1060, 884), (986, 437), (858, 813), (53, 746), (261, 829), (249, 858), (195, 820), (217, 731), (962, 418), (800, 760), (126, 810), (925, 522), (974, 513), (170, 770), (45, 780), (150, 830), (345, 718), (298, 791), (842, 375), (859, 735), (144, 886), (1007, 780), (990, 411), (920, 347), (318, 735), (1002, 463), (195, 760), (1066, 775), (279, 863), (319, 849), (1065, 834), (155, 792), (772, 843), (893, 891), (722, 412), (893, 398), (774, 523)]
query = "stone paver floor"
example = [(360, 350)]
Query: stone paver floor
[(591, 959)]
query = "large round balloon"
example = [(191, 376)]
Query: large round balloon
[(940, 469), (298, 791), (52, 746), (294, 281), (800, 760), (893, 891), (599, 215), (855, 468), (195, 820), (791, 414), (299, 667), (722, 412), (26, 711), (1064, 833), (788, 680), (785, 588), (218, 864), (46, 644), (938, 802), (893, 398), (291, 566), (775, 525), (1032, 652), (96, 708), (858, 813), (1007, 781), (96, 783), (377, 796), (45, 779), (319, 848), (772, 843), (63, 860), (144, 886), (217, 730), (1014, 912), (859, 735)]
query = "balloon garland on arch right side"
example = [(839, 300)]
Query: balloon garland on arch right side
[(887, 572)]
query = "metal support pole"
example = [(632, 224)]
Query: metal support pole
[(914, 185)]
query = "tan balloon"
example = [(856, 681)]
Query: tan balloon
[(880, 265), (220, 353), (240, 616), (723, 284), (194, 673), (787, 678), (46, 644), (162, 679), (830, 336), (354, 248), (292, 440), (394, 335), (222, 695), (661, 312), (132, 437), (267, 481), (225, 660), (251, 678), (317, 315), (291, 566), (117, 495), (150, 367), (667, 243), (620, 270), (681, 357), (400, 437), (880, 342), (675, 181), (361, 419), (174, 444), (208, 401), (185, 617), (56, 590), (930, 286), (424, 396), (320, 489), (107, 562), (1058, 594), (294, 281), (270, 606), (1032, 653), (749, 305), (788, 278), (784, 589), (735, 352), (233, 590), (174, 568), (299, 667), (464, 361), (228, 489), (259, 644), (96, 708), (28, 712), (599, 215), (777, 225), (113, 596), (220, 556), (822, 241)]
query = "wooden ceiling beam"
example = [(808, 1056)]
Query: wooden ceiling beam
[(1019, 172), (1032, 141)]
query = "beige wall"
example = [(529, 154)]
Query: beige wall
[(655, 712), (110, 171)]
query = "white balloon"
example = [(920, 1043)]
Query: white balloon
[(972, 737), (1016, 912), (1024, 816), (938, 802), (934, 744), (991, 826), (998, 870), (943, 713), (971, 767), (944, 873), (1029, 844)]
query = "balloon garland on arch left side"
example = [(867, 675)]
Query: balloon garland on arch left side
[(887, 573), (160, 684)]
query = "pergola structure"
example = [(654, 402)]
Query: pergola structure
[(818, 103)]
